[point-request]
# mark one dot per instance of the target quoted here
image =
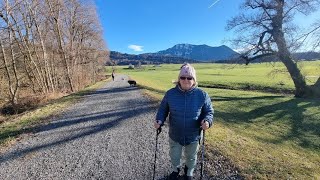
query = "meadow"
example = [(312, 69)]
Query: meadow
[(259, 126)]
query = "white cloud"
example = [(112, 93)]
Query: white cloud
[(135, 47)]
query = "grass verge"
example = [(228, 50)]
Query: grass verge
[(20, 124)]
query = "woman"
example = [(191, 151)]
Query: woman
[(190, 110)]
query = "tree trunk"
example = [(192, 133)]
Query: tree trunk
[(25, 49), (47, 68), (301, 89), (63, 56), (317, 83), (315, 89), (298, 79), (300, 84), (54, 12), (12, 94)]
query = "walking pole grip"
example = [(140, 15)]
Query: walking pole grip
[(159, 130)]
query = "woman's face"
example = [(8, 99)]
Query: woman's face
[(186, 83)]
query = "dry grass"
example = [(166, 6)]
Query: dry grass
[(15, 126)]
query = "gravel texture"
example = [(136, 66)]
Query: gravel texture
[(109, 134)]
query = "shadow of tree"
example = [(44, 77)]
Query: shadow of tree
[(98, 122), (304, 127), (11, 132)]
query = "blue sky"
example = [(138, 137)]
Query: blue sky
[(143, 26)]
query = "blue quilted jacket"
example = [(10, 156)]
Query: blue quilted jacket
[(186, 110)]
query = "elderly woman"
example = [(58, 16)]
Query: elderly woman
[(190, 110)]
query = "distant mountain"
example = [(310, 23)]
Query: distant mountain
[(178, 54), (200, 52), (125, 59), (181, 53)]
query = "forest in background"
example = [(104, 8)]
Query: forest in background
[(48, 47)]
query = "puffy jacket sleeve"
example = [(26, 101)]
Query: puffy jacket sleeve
[(163, 109), (207, 110)]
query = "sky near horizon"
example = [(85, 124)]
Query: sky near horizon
[(147, 26)]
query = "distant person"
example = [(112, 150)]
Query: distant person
[(113, 75), (190, 111)]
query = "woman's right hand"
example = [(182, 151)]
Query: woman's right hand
[(157, 124)]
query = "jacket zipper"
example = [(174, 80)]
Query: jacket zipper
[(185, 108)]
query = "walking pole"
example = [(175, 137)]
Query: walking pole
[(202, 155), (155, 154)]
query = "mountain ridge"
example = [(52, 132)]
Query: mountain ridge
[(190, 53), (179, 53), (200, 52)]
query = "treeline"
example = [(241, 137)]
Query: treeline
[(48, 46), (126, 59)]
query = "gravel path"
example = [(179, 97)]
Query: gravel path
[(107, 135)]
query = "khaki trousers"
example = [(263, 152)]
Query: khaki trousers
[(190, 155)]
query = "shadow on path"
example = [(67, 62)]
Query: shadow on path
[(92, 123)]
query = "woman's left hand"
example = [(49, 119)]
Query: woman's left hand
[(204, 125)]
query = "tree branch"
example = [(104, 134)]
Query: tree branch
[(250, 59)]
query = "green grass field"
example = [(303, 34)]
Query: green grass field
[(266, 135)]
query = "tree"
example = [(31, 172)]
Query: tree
[(266, 30), (48, 46), (10, 58)]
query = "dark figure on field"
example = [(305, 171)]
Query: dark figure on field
[(190, 111), (132, 82), (113, 75)]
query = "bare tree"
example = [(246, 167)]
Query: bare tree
[(84, 39), (34, 23), (48, 46), (55, 10), (9, 56), (267, 30)]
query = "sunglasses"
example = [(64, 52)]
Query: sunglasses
[(184, 78)]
